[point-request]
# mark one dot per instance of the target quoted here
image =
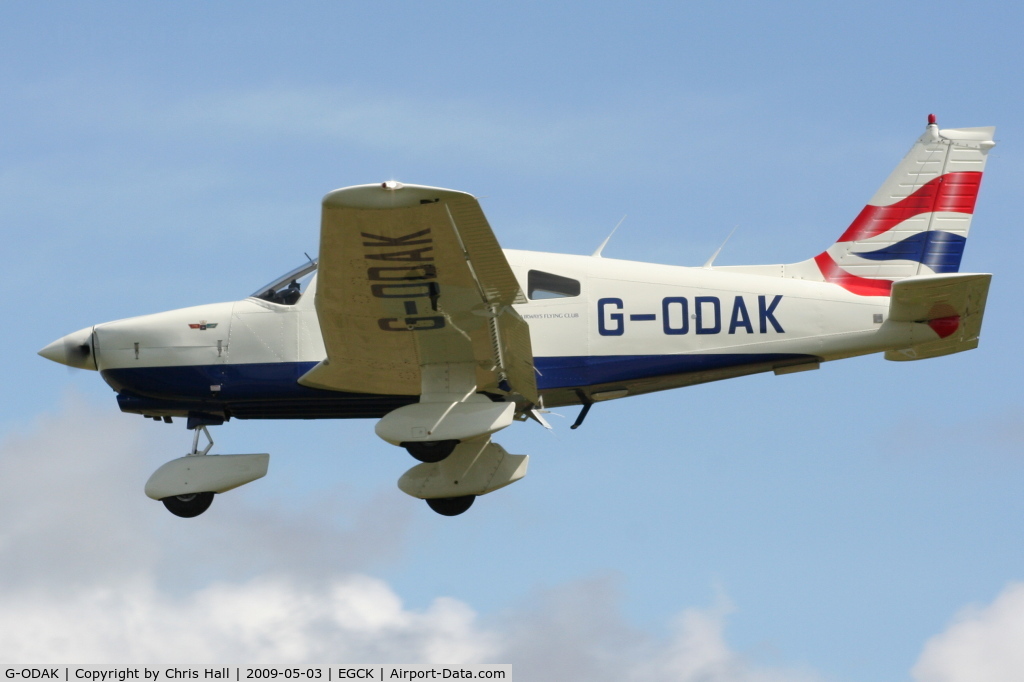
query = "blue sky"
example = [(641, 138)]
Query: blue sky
[(829, 525)]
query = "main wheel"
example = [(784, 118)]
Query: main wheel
[(451, 506), (188, 506), (430, 451)]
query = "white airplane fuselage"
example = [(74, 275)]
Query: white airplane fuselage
[(633, 328)]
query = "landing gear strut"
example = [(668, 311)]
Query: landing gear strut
[(195, 441), (187, 485)]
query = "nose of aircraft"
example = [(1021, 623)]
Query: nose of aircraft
[(73, 350)]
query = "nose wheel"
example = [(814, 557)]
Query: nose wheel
[(193, 504)]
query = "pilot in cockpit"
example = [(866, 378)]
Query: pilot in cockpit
[(278, 293)]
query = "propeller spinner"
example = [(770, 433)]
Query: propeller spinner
[(73, 350)]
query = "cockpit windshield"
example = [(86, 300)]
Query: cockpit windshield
[(288, 288)]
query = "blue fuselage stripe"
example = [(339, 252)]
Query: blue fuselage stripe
[(236, 384)]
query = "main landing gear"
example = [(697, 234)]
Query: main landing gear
[(430, 451), (188, 506), (469, 468), (186, 485), (451, 506)]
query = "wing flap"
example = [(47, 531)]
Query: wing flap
[(517, 354)]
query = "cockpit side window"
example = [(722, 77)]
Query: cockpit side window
[(546, 285), (288, 289)]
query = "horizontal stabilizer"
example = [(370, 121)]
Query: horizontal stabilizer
[(952, 305)]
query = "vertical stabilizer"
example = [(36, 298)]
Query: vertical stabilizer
[(918, 220)]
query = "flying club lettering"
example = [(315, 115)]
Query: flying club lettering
[(410, 275), (706, 313)]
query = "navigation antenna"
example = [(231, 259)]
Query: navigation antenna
[(597, 254), (719, 250)]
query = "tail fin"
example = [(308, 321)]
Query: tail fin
[(917, 222)]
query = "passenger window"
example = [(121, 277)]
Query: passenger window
[(545, 285)]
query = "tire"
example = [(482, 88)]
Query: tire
[(188, 506), (430, 451), (451, 506)]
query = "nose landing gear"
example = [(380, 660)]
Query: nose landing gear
[(193, 504), (187, 485)]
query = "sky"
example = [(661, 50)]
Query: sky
[(861, 522)]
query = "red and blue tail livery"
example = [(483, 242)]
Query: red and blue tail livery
[(917, 223)]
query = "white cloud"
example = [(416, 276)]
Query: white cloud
[(983, 644), (577, 632), (263, 620), (698, 652), (355, 618), (92, 572)]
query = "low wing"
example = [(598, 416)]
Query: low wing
[(411, 279), (953, 303)]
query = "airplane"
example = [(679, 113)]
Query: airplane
[(413, 315)]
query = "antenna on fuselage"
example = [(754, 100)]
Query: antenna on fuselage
[(719, 249), (307, 256), (597, 254)]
